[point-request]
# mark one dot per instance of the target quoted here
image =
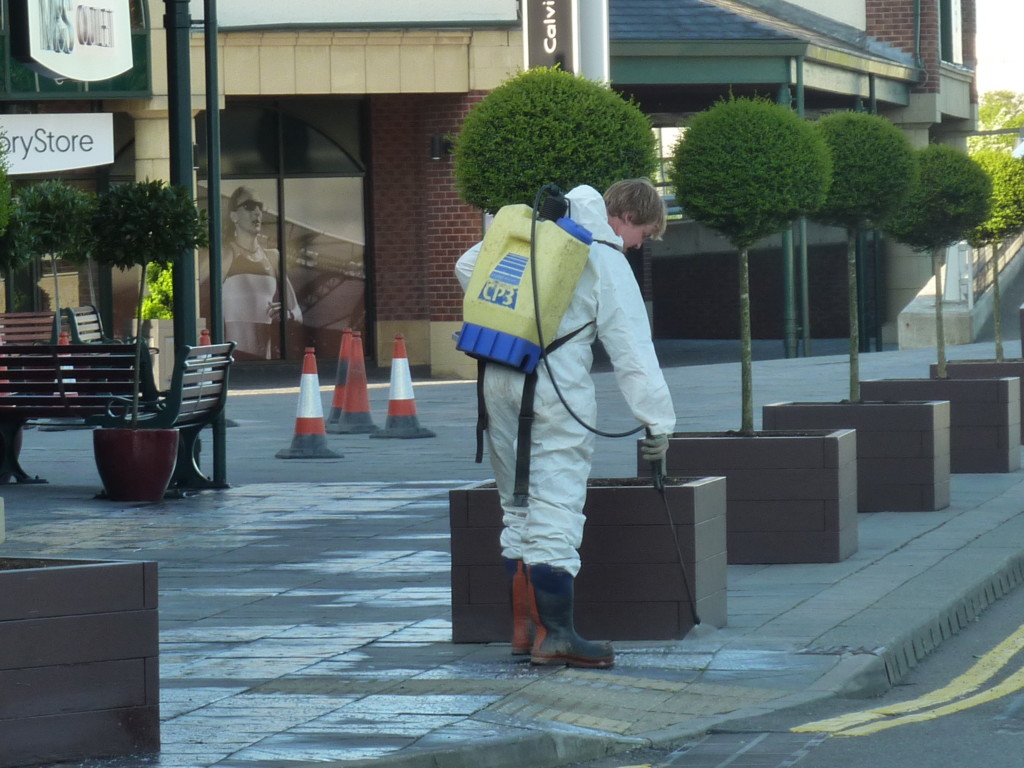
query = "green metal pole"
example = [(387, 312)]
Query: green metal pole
[(216, 319), (177, 22), (789, 339), (805, 299)]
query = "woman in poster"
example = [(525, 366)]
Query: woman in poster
[(251, 290)]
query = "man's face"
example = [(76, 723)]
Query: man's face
[(633, 235)]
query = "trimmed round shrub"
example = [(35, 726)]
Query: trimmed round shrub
[(1006, 216), (951, 198), (546, 126), (873, 169), (749, 167)]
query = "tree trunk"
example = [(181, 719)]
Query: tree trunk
[(746, 372), (940, 336), (851, 281)]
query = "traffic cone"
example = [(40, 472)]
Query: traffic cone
[(355, 415), (310, 441), (338, 403), (402, 421)]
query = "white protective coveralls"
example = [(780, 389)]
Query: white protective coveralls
[(550, 529)]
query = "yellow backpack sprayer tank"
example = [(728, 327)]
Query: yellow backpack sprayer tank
[(503, 305)]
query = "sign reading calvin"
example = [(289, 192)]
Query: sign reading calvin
[(82, 40), (549, 34)]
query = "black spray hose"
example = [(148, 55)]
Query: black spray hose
[(658, 472)]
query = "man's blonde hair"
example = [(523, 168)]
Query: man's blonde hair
[(641, 198)]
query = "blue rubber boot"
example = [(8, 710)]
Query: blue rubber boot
[(556, 641), (522, 624)]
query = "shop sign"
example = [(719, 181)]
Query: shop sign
[(550, 34), (81, 40), (33, 144)]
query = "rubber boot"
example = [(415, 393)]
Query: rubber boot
[(522, 624), (556, 641)]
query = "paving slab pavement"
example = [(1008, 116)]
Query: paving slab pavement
[(305, 611)]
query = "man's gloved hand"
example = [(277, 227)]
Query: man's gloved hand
[(654, 447)]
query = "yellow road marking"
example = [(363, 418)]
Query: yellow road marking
[(1012, 684), (984, 669)]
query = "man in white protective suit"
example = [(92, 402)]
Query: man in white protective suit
[(540, 540)]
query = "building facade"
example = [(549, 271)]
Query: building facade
[(333, 119)]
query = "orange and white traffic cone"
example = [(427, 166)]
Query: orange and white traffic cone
[(310, 441), (355, 415), (338, 403), (402, 421)]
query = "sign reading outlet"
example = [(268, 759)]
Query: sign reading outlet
[(82, 40), (61, 142)]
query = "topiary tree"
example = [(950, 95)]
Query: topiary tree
[(1005, 219), (949, 199), (52, 219), (873, 168), (747, 168), (546, 126), (142, 223)]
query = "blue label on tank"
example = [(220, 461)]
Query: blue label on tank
[(502, 286)]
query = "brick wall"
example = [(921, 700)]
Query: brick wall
[(420, 227), (892, 21)]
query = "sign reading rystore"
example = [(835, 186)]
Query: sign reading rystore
[(83, 40), (34, 144)]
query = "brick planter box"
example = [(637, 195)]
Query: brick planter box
[(792, 497), (902, 448), (630, 586), (79, 673), (984, 369), (984, 417)]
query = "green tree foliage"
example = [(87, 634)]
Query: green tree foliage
[(159, 301), (747, 168), (1006, 215), (950, 199), (146, 221), (996, 110), (53, 218), (548, 126), (873, 168), (1005, 220)]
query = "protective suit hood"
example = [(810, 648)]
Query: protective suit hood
[(587, 208)]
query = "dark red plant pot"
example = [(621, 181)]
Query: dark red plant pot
[(135, 464)]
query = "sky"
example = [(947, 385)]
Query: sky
[(1000, 52)]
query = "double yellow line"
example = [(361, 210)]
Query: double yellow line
[(947, 700)]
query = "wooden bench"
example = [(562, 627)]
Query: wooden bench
[(85, 326), (29, 327), (198, 392), (49, 381)]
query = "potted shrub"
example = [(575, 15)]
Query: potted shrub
[(1003, 225), (79, 674), (949, 200), (902, 448), (632, 586), (135, 225), (747, 168)]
